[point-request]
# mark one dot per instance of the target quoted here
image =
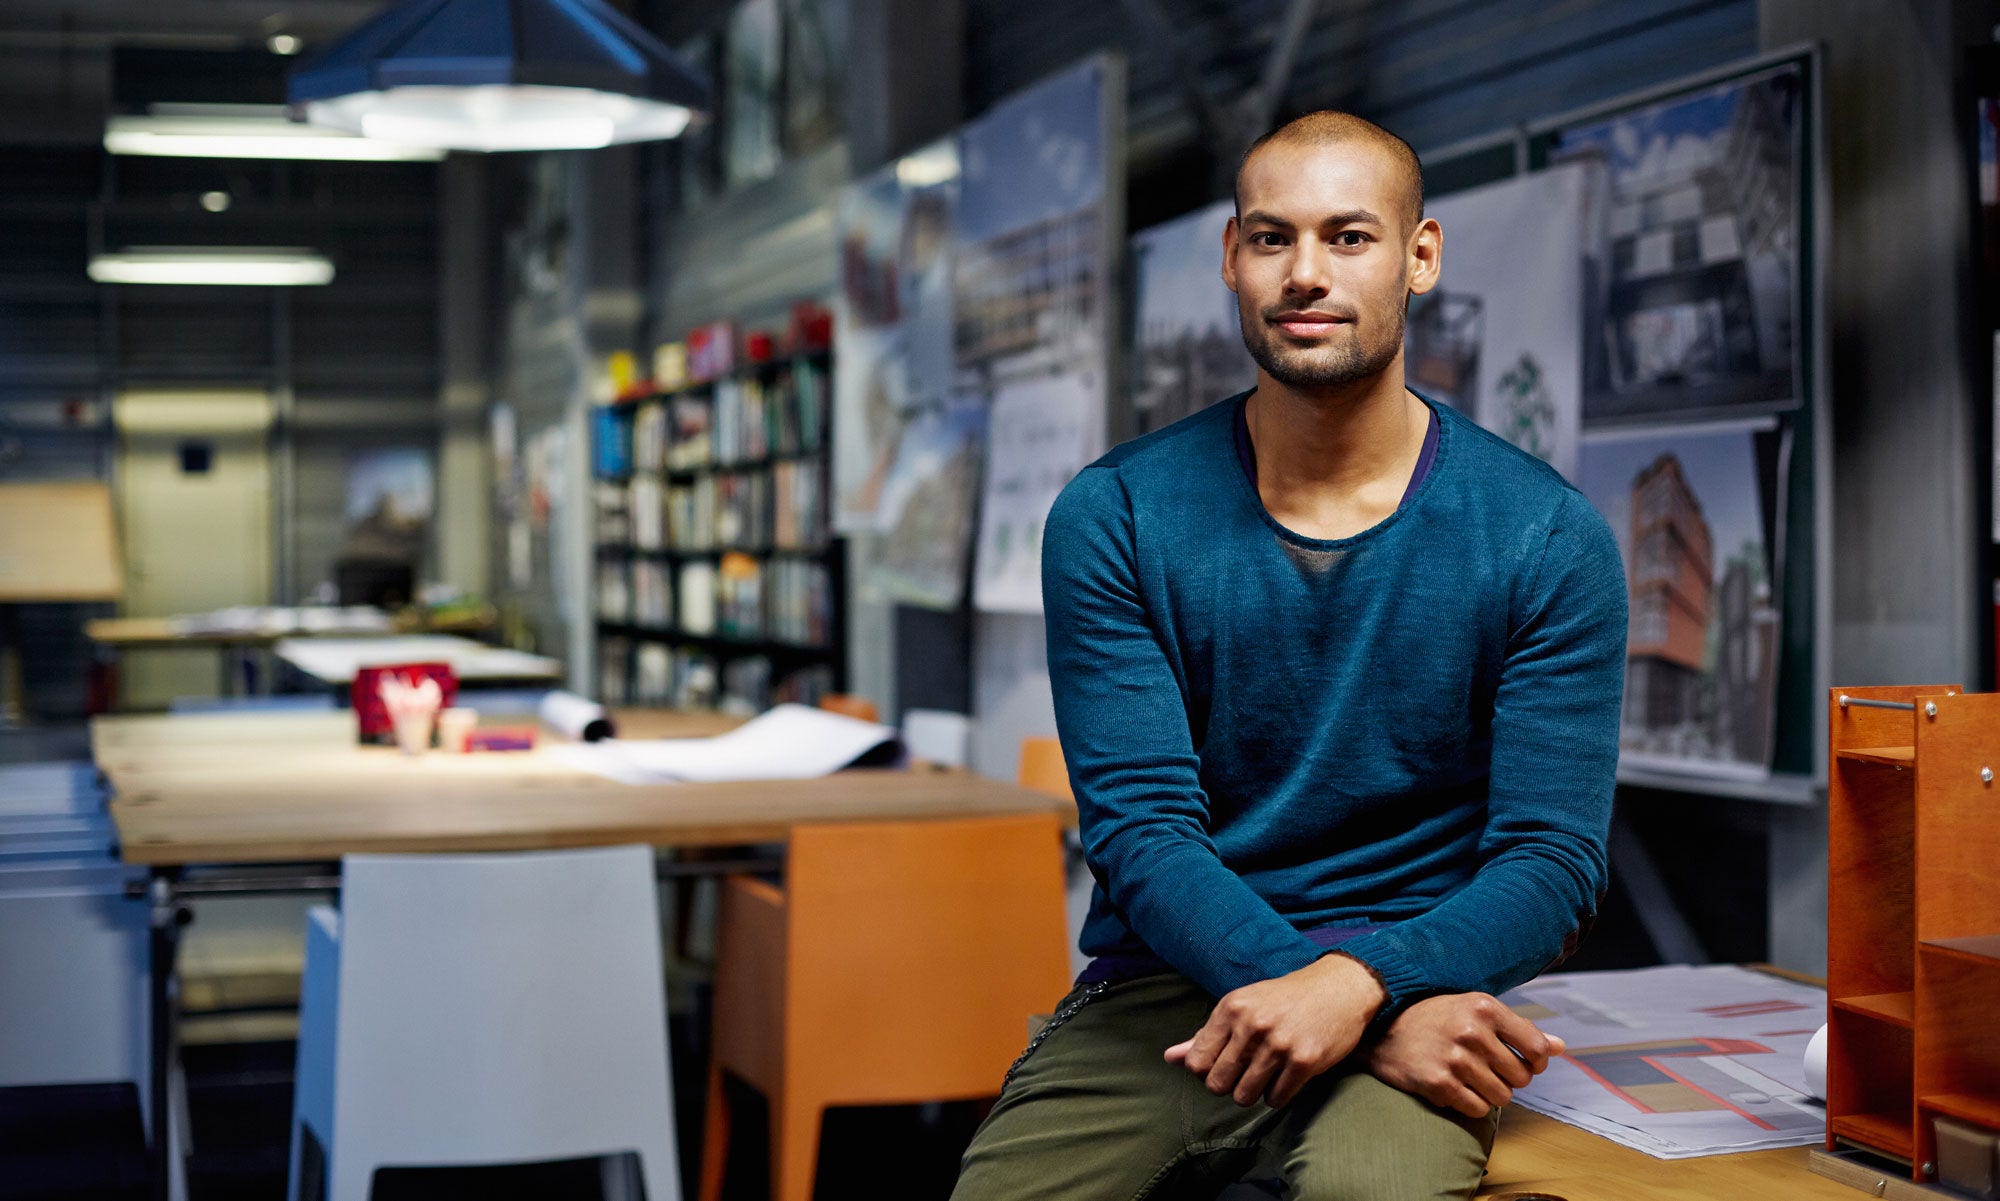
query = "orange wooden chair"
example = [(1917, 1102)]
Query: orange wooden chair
[(899, 964), (851, 706), (1042, 767)]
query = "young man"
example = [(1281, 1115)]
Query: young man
[(1337, 675)]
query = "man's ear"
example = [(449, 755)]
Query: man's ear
[(1426, 251), (1229, 254)]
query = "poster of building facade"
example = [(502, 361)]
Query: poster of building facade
[(750, 74), (926, 510), (1695, 303), (1035, 444), (892, 321), (1030, 295), (1694, 509), (1187, 343), (1497, 339)]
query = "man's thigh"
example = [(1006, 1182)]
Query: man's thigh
[(1353, 1138), (1095, 1113)]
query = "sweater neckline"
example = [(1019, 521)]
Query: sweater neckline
[(1248, 490)]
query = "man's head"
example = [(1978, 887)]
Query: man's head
[(1328, 242)]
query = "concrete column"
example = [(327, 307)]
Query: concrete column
[(1905, 546), (464, 522)]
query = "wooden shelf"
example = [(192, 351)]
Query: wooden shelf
[(1971, 1107), (1886, 1132), (1981, 948), (1895, 756), (1896, 1008)]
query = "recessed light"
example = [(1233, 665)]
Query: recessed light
[(282, 43), (215, 202)]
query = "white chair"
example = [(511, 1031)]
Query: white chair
[(467, 1010), (937, 736)]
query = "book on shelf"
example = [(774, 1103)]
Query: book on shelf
[(648, 513), (696, 597), (614, 590), (613, 652), (690, 443), (652, 593)]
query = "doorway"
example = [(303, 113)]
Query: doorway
[(194, 508)]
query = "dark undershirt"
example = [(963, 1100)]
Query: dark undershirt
[(1247, 454)]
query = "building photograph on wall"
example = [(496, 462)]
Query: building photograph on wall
[(1694, 510), (1187, 343), (1696, 305)]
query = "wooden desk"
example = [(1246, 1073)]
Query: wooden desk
[(1537, 1154), (276, 788)]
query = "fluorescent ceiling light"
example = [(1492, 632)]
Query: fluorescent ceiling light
[(500, 116), (269, 267), (500, 75), (242, 131)]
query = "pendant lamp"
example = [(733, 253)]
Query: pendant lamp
[(500, 75)]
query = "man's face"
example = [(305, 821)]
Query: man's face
[(1320, 262)]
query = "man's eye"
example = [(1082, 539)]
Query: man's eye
[(1266, 239), (1350, 238)]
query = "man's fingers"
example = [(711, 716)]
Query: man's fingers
[(1263, 1067), (1464, 1100), (1508, 1065), (1489, 1087), (1206, 1044), (1229, 1065), (1526, 1038), (1289, 1082), (1178, 1052)]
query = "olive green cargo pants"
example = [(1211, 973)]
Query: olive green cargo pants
[(1093, 1113)]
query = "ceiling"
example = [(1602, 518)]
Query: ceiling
[(55, 54)]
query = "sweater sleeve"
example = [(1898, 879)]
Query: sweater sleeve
[(1542, 866), (1144, 817)]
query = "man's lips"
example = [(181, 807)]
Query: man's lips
[(1303, 323)]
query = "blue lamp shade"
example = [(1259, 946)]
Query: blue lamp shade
[(500, 75)]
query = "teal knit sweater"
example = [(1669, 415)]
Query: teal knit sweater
[(1267, 734)]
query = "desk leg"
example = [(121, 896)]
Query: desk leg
[(165, 920)]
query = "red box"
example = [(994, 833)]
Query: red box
[(365, 694)]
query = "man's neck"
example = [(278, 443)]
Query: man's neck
[(1331, 464)]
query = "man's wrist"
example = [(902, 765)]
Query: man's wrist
[(1357, 979)]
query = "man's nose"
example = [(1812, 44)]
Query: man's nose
[(1310, 269)]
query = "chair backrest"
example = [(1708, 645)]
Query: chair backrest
[(918, 951), (72, 977), (501, 1008), (937, 736), (1042, 767), (851, 706)]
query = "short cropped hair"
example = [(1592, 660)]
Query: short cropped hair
[(1329, 126)]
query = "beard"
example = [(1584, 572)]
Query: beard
[(1322, 367)]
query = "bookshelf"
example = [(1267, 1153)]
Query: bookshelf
[(1913, 948), (718, 579)]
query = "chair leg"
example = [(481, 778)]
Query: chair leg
[(795, 1123), (714, 1137)]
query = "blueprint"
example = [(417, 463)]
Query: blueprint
[(1678, 1061)]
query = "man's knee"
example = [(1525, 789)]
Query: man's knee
[(1371, 1142)]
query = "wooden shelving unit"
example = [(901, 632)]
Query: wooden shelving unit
[(1913, 948), (719, 582)]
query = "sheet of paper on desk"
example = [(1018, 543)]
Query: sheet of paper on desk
[(791, 742), (1678, 1061)]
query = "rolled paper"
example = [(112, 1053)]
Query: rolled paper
[(576, 717), (1816, 1065)]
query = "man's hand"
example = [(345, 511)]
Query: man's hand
[(1265, 1040), (1463, 1051)]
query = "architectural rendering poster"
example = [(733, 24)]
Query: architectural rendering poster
[(1187, 343), (892, 321), (1695, 512), (750, 71), (1030, 271), (1696, 305), (926, 507), (1497, 338), (1035, 442)]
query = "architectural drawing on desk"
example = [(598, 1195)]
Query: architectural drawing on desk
[(1697, 1075)]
